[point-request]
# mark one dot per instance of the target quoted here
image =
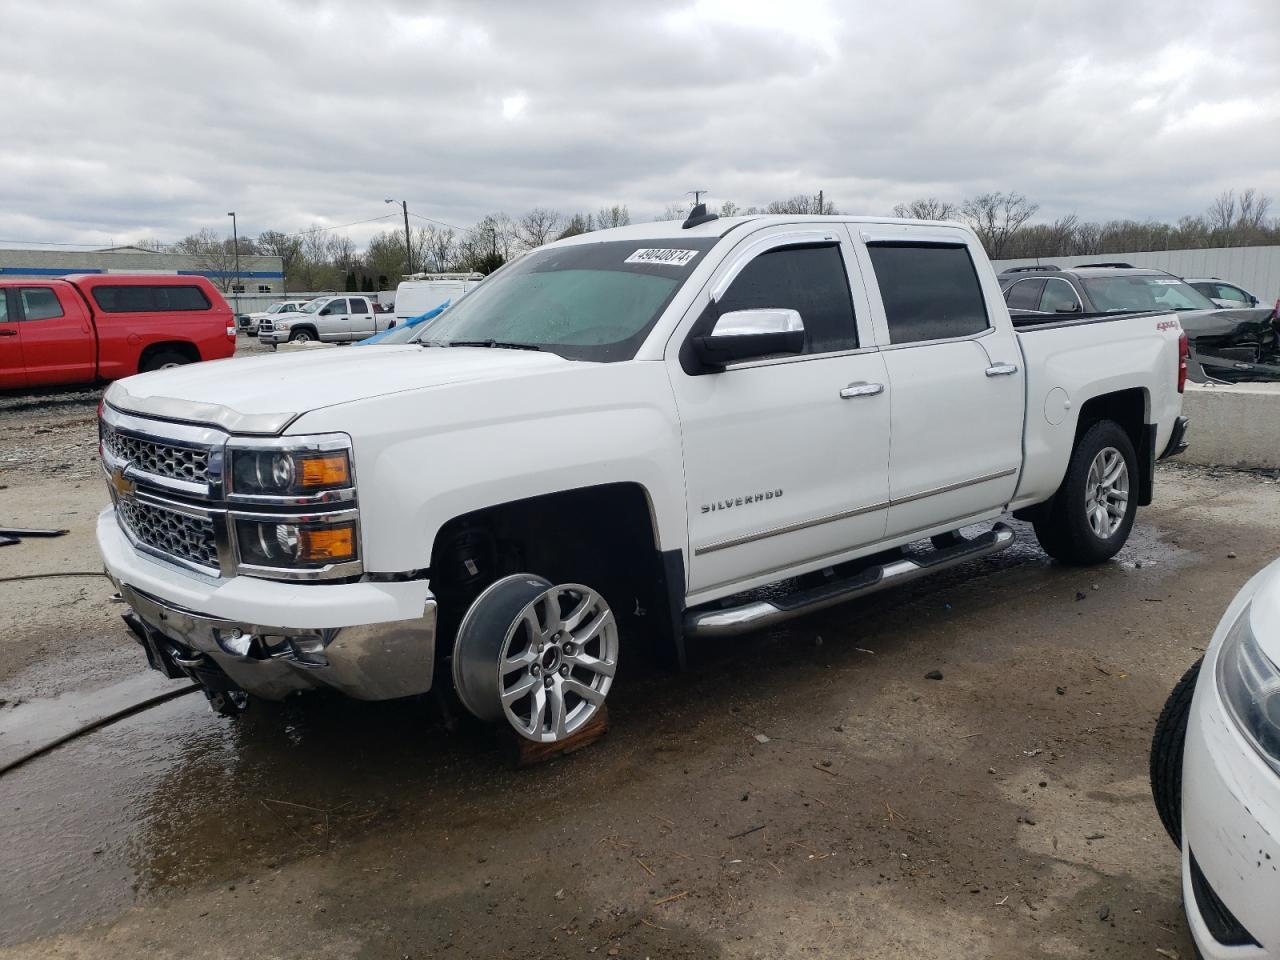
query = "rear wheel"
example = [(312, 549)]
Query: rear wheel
[(538, 656), (1166, 753), (1090, 517), (163, 360)]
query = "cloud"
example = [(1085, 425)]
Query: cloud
[(152, 119)]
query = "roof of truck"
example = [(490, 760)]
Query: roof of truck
[(670, 229)]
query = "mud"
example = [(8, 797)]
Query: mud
[(897, 816)]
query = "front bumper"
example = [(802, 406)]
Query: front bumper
[(370, 641), (1231, 827)]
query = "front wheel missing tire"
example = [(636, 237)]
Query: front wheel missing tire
[(542, 657)]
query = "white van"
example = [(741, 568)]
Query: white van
[(425, 291)]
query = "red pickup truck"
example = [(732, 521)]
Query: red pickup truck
[(90, 327)]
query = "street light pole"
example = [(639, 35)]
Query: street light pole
[(408, 247), (235, 243)]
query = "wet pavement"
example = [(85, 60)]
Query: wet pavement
[(885, 815)]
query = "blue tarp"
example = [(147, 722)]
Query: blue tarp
[(411, 322)]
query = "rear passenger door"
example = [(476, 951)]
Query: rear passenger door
[(13, 369), (58, 343), (957, 381), (362, 321)]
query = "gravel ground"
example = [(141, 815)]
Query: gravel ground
[(806, 792)]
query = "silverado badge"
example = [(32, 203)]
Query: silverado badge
[(741, 501)]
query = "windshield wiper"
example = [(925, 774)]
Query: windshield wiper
[(494, 344)]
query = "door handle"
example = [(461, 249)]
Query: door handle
[(8, 333), (861, 388), (1002, 369)]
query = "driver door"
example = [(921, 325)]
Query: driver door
[(786, 457)]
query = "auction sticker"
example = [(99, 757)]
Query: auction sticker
[(669, 258)]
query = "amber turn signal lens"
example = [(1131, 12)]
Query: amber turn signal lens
[(330, 544), (325, 470)]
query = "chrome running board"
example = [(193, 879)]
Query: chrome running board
[(729, 621)]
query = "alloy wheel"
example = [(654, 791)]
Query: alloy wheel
[(1106, 499)]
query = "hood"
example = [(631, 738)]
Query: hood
[(1264, 614), (264, 394), (1223, 323)]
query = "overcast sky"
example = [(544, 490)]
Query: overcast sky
[(153, 119)]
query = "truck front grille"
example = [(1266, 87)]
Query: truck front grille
[(190, 538), (158, 459)]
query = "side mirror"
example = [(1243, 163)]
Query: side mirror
[(749, 334), (1253, 301), (1074, 308)]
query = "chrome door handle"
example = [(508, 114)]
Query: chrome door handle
[(861, 388), (1002, 369)]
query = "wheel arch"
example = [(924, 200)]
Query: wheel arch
[(184, 347), (1130, 409), (610, 529)]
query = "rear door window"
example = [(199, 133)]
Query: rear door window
[(810, 280), (359, 305), (39, 303), (1024, 295), (930, 291)]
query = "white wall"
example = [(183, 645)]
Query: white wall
[(1257, 269)]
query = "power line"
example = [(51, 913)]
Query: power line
[(433, 220)]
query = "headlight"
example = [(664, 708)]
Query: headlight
[(1250, 686), (296, 543), (290, 472)]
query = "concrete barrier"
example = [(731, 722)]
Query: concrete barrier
[(1236, 425)]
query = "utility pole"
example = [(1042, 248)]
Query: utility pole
[(235, 243), (820, 207), (408, 246)]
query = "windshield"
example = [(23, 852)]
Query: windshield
[(277, 307), (1123, 294), (590, 301), (313, 306)]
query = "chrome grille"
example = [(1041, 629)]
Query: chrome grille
[(159, 459), (190, 538)]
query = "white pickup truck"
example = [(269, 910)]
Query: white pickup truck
[(609, 445), (339, 319)]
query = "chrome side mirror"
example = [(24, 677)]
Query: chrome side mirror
[(750, 334)]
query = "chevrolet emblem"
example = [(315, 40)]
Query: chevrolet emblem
[(122, 485)]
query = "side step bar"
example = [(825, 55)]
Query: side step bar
[(730, 621)]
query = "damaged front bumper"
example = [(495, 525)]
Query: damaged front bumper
[(370, 641)]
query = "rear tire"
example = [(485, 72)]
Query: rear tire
[(1090, 517), (163, 360), (1167, 744)]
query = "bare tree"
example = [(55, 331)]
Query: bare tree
[(439, 246), (1221, 214), (273, 243), (803, 204), (538, 226), (927, 208), (577, 224), (995, 217), (614, 216), (213, 254), (729, 209), (673, 211)]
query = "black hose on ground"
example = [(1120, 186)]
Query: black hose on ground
[(42, 576)]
